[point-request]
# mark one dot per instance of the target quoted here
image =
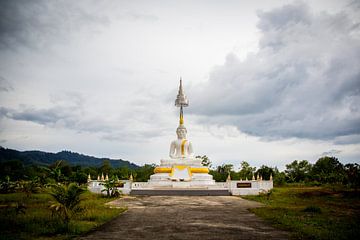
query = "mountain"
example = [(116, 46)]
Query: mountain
[(46, 158)]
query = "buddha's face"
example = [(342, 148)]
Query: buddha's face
[(181, 133)]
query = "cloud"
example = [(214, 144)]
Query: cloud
[(5, 86), (134, 16), (38, 23), (65, 110), (303, 82), (331, 152), (71, 111)]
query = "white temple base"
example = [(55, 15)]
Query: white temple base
[(197, 180), (181, 161)]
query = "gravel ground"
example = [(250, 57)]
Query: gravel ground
[(185, 217)]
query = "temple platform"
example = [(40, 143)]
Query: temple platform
[(181, 192), (237, 187)]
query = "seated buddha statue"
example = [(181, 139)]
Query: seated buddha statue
[(181, 150)]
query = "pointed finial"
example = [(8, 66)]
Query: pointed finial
[(102, 176), (98, 178), (271, 177), (89, 177), (181, 99), (131, 177), (107, 177), (258, 178), (253, 177)]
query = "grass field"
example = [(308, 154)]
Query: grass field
[(312, 212), (35, 221)]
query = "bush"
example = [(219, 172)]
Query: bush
[(67, 200)]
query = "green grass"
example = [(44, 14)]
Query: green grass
[(38, 223), (312, 212)]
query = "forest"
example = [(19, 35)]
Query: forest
[(326, 170)]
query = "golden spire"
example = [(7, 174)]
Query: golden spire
[(181, 118)]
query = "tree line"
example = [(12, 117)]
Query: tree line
[(326, 170)]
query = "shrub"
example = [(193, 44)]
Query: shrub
[(67, 200)]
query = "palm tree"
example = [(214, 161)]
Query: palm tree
[(67, 200)]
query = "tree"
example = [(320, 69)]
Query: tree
[(106, 166), (265, 172), (246, 171), (328, 170), (143, 173), (352, 171), (298, 171), (13, 168), (67, 200), (79, 176)]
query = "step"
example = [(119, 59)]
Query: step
[(180, 192)]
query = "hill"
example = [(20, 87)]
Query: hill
[(46, 158)]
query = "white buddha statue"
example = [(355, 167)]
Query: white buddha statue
[(181, 148)]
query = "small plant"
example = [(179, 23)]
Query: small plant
[(110, 187), (312, 209), (7, 186), (67, 200), (29, 187)]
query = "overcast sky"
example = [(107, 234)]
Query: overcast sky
[(268, 81)]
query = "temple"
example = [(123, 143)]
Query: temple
[(183, 174), (181, 166)]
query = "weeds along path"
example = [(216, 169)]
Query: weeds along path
[(186, 217)]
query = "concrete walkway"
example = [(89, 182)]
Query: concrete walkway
[(186, 217)]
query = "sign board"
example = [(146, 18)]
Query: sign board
[(243, 185)]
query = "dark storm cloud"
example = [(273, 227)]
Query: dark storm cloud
[(38, 23), (303, 82)]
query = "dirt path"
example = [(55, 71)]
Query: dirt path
[(180, 217)]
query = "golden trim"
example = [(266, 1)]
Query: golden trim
[(183, 142), (199, 170), (162, 170)]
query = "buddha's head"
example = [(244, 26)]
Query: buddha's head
[(181, 132)]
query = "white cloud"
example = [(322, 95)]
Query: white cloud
[(100, 78), (303, 82)]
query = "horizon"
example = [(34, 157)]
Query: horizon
[(264, 82)]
